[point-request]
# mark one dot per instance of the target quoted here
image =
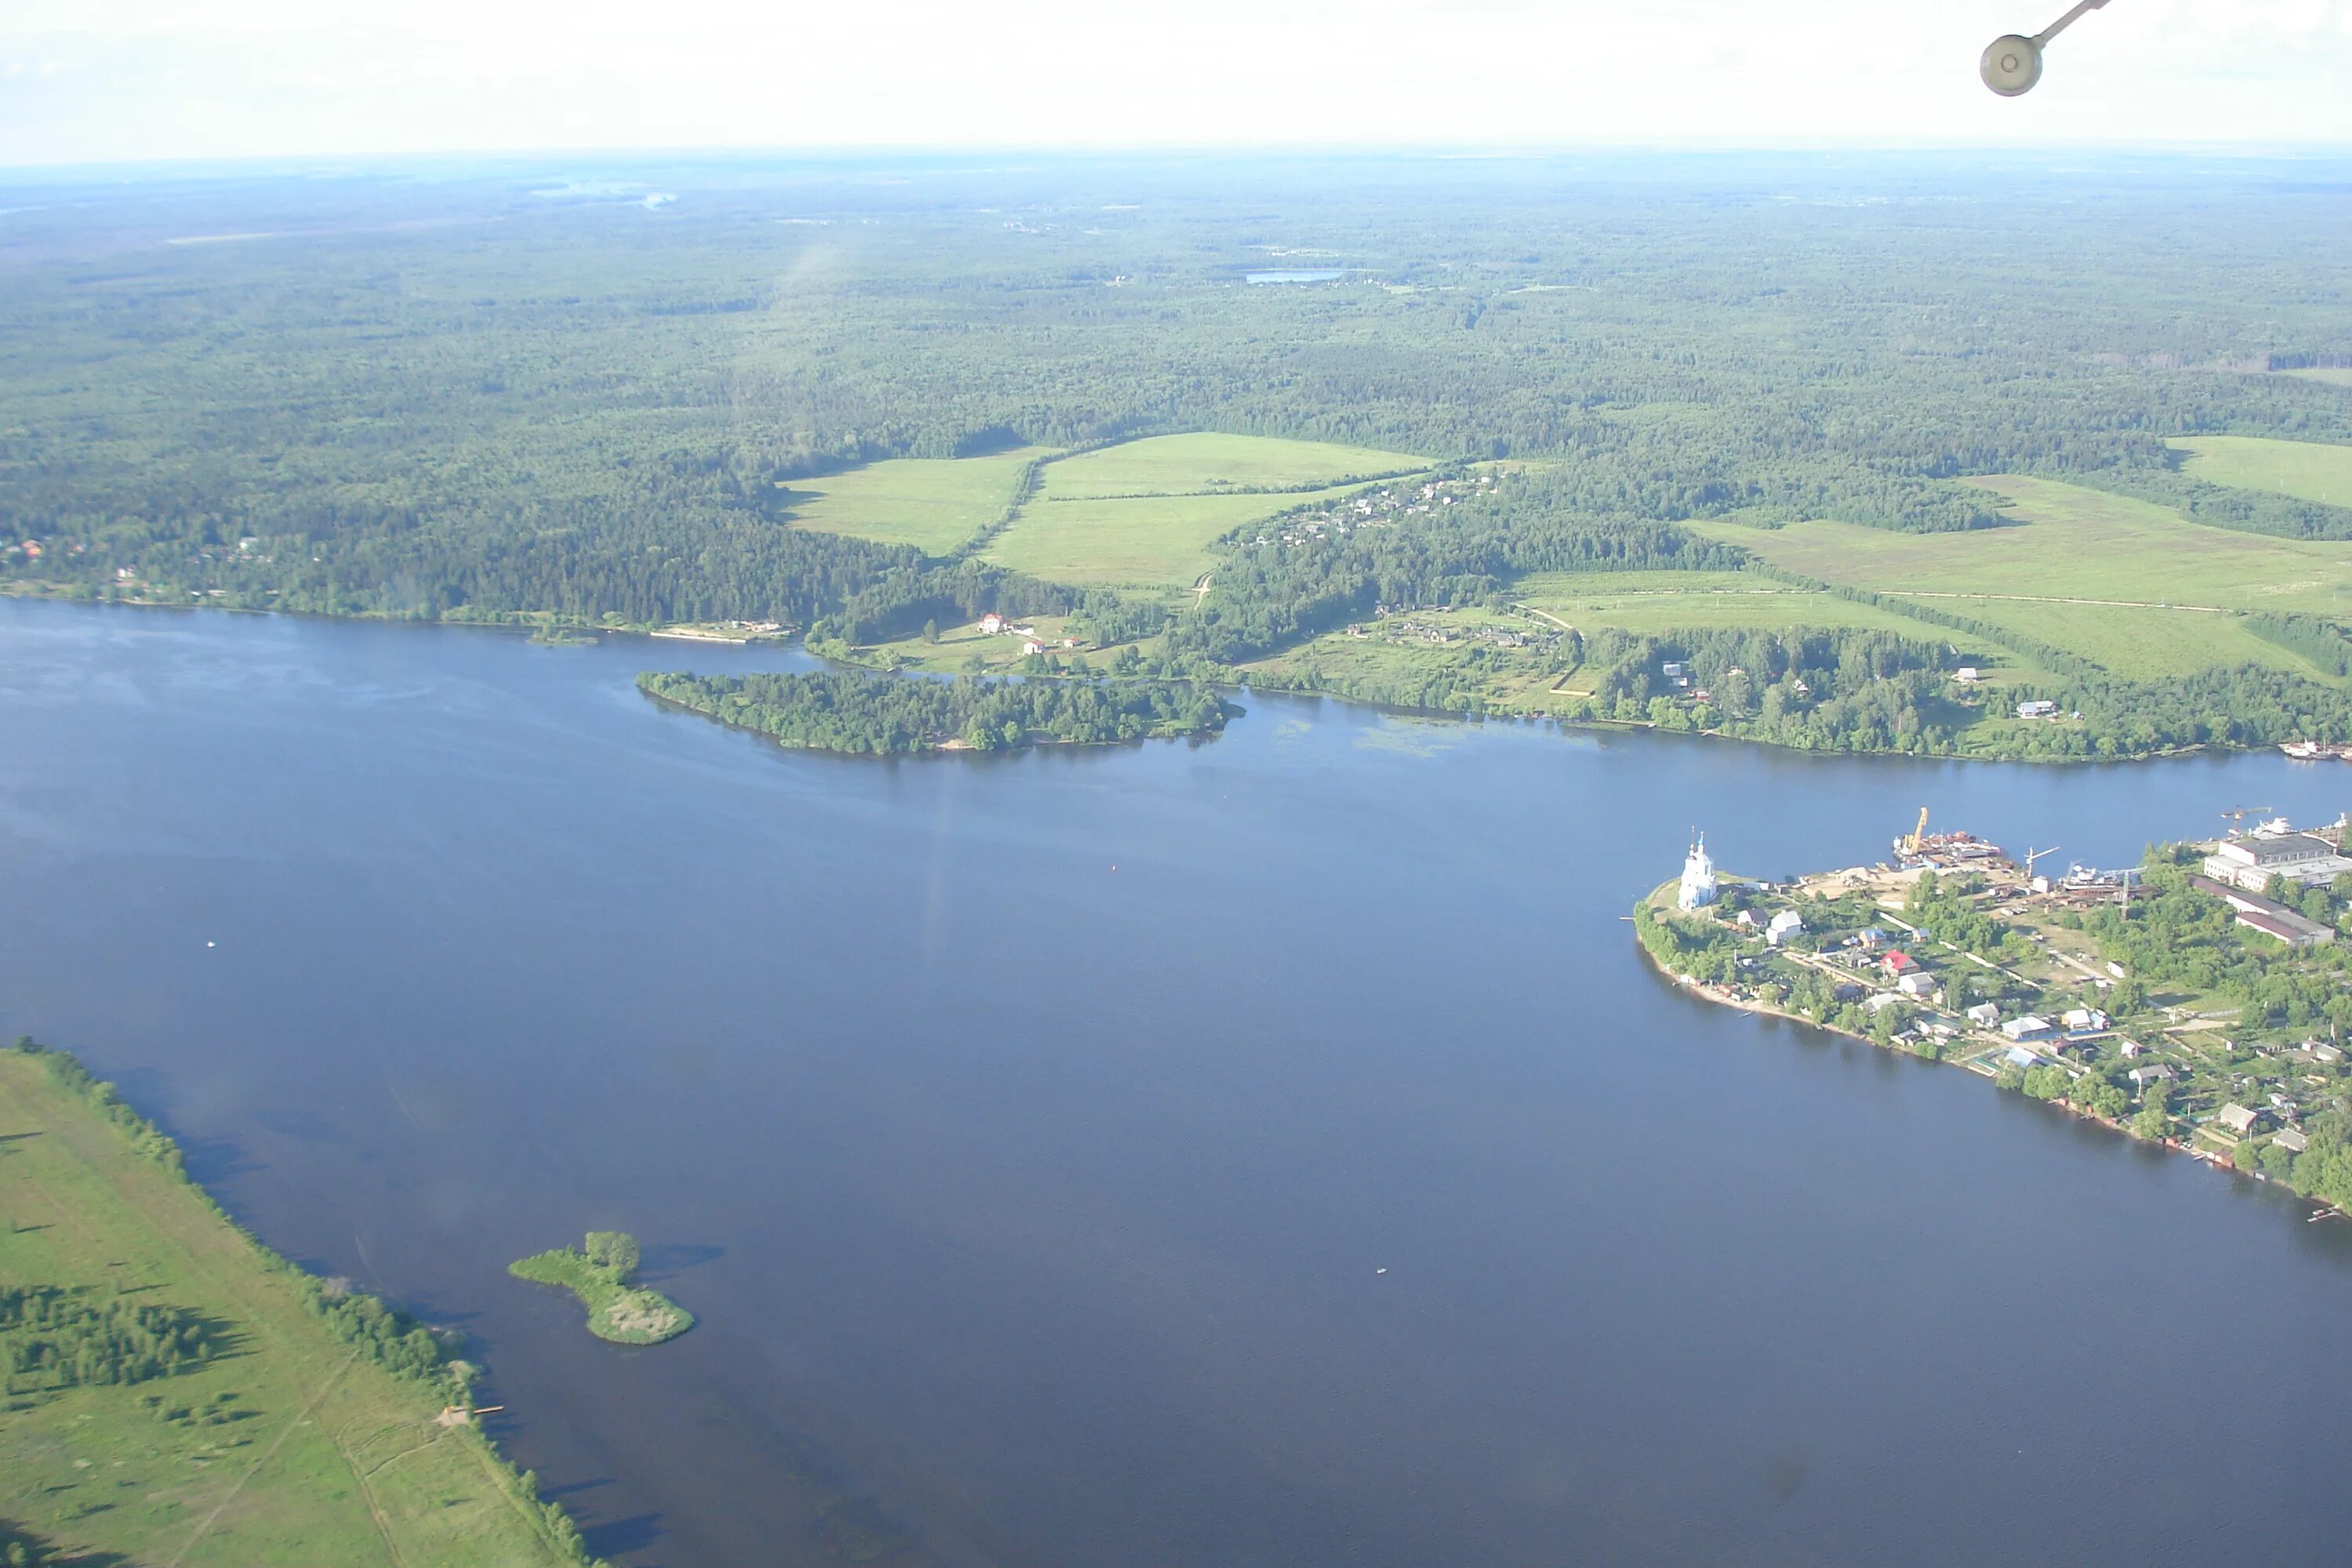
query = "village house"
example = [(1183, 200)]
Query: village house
[(1984, 1015), (2028, 1028), (2155, 1072), (2290, 1140), (990, 624), (2085, 1020), (1785, 924), (1898, 963), (2237, 1118), (1918, 983), (2039, 710)]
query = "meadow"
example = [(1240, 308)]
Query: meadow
[(291, 1448), (2066, 542), (1206, 463), (1143, 514), (2308, 470), (1651, 604), (934, 504)]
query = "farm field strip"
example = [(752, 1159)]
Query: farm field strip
[(1205, 463), (2308, 470), (934, 504), (2067, 543)]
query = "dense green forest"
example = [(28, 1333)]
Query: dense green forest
[(494, 398), (877, 715)]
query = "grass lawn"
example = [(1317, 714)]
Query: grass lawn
[(1205, 463), (2309, 470), (2333, 375), (2140, 645), (2068, 542), (1651, 603), (288, 1450), (1155, 543), (933, 504)]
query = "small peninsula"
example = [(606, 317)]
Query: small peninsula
[(2198, 1000), (600, 1273), (862, 714)]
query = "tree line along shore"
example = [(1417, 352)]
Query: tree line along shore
[(175, 1392)]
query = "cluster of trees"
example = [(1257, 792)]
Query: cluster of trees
[(52, 1338), (1844, 689), (875, 715), (2178, 938), (20, 1548), (392, 1339)]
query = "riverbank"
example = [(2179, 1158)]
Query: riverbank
[(297, 1421), (2045, 1015)]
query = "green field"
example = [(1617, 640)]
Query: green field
[(2332, 375), (1648, 603), (2068, 542), (289, 1449), (2308, 470), (932, 504), (1205, 463), (1152, 543), (1141, 515), (2138, 644)]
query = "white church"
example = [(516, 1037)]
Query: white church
[(1698, 875)]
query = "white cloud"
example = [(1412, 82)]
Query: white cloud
[(212, 77)]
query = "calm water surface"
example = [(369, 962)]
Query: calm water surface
[(1031, 1133)]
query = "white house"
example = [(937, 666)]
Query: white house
[(2028, 1028), (990, 624), (1967, 675), (1785, 924), (2085, 1020), (1917, 983), (1984, 1015), (2037, 709)]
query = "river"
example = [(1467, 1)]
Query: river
[(1269, 1150)]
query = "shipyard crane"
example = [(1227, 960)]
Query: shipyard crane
[(2032, 857), (2238, 815), (1919, 838)]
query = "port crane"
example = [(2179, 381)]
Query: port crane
[(1919, 834), (2034, 856), (2238, 815)]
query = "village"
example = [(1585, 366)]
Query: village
[(1954, 951), (1369, 508)]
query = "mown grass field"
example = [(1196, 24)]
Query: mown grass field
[(287, 1451), (2138, 644), (932, 504), (2068, 542), (2308, 470), (1155, 544), (1141, 515), (1206, 463), (1650, 603)]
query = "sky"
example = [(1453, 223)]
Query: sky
[(109, 80)]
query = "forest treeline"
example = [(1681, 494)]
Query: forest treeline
[(877, 715), (586, 410)]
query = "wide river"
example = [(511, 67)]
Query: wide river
[(1265, 1153)]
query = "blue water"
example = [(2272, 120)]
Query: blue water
[(1031, 1133)]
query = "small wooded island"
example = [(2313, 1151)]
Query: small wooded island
[(879, 715), (600, 1273)]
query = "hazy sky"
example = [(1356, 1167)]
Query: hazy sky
[(84, 79)]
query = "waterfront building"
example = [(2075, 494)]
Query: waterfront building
[(1698, 889)]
